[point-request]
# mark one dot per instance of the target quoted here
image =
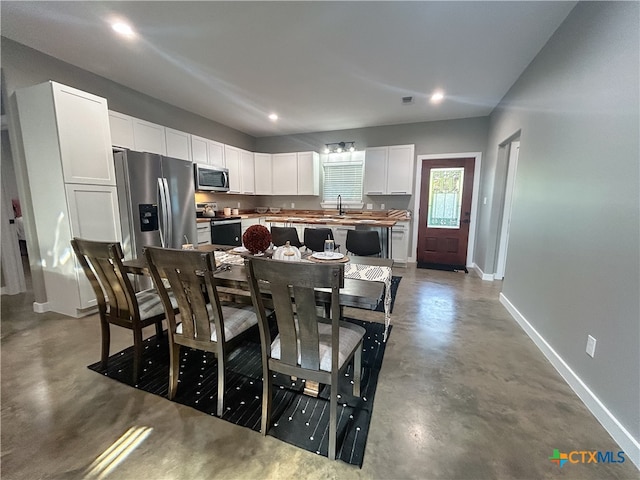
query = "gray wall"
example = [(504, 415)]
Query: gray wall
[(574, 249), (22, 67)]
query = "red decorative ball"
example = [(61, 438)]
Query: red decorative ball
[(256, 239)]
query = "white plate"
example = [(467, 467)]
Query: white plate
[(240, 250), (327, 256)]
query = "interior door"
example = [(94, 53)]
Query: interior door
[(445, 213)]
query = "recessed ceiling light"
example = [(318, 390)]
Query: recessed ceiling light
[(273, 117), (123, 29), (437, 96)]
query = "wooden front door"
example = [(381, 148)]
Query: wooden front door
[(445, 212)]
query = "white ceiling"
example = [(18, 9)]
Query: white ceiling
[(319, 65)]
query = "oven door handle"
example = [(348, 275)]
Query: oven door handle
[(224, 222)]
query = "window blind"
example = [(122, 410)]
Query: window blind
[(342, 178)]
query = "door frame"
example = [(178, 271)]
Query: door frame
[(474, 200), (503, 241)]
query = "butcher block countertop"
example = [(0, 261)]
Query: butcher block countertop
[(351, 217)]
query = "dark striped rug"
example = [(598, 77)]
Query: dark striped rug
[(297, 418)]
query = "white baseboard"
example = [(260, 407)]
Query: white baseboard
[(630, 445), (40, 307), (480, 273)]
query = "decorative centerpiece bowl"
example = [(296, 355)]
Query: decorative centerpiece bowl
[(256, 239), (274, 209), (262, 209)]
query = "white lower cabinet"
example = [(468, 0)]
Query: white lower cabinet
[(94, 215), (204, 233), (400, 242)]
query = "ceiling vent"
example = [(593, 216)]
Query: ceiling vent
[(407, 100)]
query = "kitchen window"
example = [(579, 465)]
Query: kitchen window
[(342, 175)]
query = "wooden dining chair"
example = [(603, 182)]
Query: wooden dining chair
[(282, 235), (118, 303), (314, 238), (203, 321), (307, 346)]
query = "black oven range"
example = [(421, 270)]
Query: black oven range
[(224, 230)]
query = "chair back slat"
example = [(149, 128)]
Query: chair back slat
[(190, 276), (308, 328), (102, 264), (291, 286)]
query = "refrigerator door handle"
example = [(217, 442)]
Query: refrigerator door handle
[(167, 204), (163, 212)]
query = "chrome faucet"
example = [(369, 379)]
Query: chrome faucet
[(340, 211)]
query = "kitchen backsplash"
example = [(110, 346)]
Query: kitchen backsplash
[(300, 202)]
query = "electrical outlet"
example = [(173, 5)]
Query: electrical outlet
[(238, 204), (293, 205), (382, 206), (369, 206), (591, 346)]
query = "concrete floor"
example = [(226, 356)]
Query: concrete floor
[(463, 394)]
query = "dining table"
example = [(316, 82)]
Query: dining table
[(367, 280)]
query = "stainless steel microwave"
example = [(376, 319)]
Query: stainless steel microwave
[(211, 178)]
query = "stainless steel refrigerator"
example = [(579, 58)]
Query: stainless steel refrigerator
[(156, 198)]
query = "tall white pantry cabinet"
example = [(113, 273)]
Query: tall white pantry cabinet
[(69, 162)]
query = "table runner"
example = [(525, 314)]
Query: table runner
[(351, 270), (374, 274)]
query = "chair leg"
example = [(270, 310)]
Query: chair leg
[(174, 372), (159, 329), (357, 370), (267, 392), (106, 340), (333, 416), (221, 380), (137, 354)]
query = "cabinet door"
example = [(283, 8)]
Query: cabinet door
[(400, 170), (178, 144), (400, 242), (263, 177), (285, 173), (375, 170), (121, 127), (199, 150), (204, 233), (149, 137), (94, 215), (84, 136), (215, 153), (232, 159), (308, 173), (247, 173)]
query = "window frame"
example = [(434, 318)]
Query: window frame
[(342, 159)]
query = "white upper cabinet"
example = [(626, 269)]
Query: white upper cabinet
[(263, 173), (149, 137), (285, 173), (215, 152), (232, 159), (389, 170), (247, 173), (84, 136), (308, 173), (178, 144), (121, 130), (375, 170), (199, 150), (400, 170)]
